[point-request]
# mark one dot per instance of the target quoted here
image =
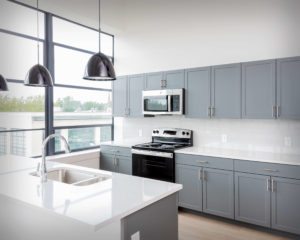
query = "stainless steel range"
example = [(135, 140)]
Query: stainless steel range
[(157, 159)]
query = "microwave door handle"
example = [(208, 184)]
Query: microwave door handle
[(169, 103)]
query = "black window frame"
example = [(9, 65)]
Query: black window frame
[(49, 45)]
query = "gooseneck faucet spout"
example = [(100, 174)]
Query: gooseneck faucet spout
[(42, 169)]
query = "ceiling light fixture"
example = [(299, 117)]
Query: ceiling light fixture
[(38, 75), (99, 67), (3, 84)]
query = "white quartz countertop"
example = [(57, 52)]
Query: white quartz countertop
[(95, 205), (127, 142), (259, 156)]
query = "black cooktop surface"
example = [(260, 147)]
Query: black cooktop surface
[(163, 147)]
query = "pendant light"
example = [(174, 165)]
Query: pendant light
[(38, 75), (99, 67), (3, 84)]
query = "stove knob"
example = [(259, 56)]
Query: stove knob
[(154, 131), (183, 133), (187, 133)]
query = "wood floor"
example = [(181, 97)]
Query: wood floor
[(194, 227)]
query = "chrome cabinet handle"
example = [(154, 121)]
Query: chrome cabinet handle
[(268, 185), (203, 175), (270, 170), (165, 83), (209, 111), (212, 111), (273, 185), (274, 113), (198, 161), (278, 111), (199, 174)]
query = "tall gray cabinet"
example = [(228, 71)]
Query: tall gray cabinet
[(259, 89), (288, 88), (120, 100)]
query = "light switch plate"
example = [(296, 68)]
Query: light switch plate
[(140, 132), (135, 236), (287, 141), (224, 138)]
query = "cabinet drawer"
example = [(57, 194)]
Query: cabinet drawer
[(204, 161), (121, 151), (270, 169)]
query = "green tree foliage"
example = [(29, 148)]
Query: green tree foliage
[(29, 104)]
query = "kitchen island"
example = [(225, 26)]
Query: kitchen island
[(119, 207)]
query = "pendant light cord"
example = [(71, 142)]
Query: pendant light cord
[(99, 26), (38, 31)]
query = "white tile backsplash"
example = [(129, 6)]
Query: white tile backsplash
[(280, 136)]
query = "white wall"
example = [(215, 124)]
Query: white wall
[(174, 34)]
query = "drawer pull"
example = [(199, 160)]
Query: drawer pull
[(270, 170), (198, 161)]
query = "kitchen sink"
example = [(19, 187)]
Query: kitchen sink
[(73, 176)]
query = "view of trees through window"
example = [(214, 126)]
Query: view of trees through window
[(82, 110)]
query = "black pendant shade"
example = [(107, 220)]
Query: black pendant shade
[(99, 68), (38, 76), (3, 84)]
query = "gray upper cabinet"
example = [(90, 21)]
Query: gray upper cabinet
[(226, 91), (197, 86), (191, 194), (252, 199), (154, 81), (164, 80), (259, 89), (135, 88), (218, 198), (120, 97), (285, 204), (288, 88), (174, 79)]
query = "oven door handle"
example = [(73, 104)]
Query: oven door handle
[(154, 165), (152, 153), (169, 103)]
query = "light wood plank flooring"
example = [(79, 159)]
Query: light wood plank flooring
[(194, 227)]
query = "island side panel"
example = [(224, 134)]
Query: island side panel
[(157, 221)]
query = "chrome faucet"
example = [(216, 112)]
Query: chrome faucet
[(41, 168)]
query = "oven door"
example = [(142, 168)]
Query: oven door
[(155, 165)]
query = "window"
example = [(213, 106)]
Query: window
[(81, 109)]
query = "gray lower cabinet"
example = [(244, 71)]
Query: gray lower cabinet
[(107, 162), (286, 204), (259, 89), (120, 97), (191, 194), (288, 87), (124, 165), (252, 199), (218, 189), (197, 88), (226, 91), (135, 88)]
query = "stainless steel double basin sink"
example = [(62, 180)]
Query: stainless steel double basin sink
[(73, 176)]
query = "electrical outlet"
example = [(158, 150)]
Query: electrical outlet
[(287, 141), (224, 138), (140, 132), (135, 236)]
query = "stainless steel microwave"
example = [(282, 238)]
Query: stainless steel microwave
[(163, 102)]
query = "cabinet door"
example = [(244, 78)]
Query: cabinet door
[(226, 91), (124, 165), (252, 199), (135, 88), (153, 81), (120, 97), (218, 193), (286, 204), (197, 86), (191, 194), (288, 88), (174, 79), (107, 162), (258, 89)]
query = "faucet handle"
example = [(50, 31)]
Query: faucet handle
[(38, 167)]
